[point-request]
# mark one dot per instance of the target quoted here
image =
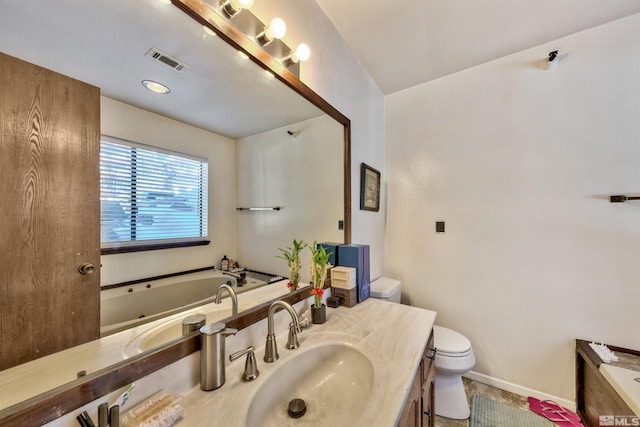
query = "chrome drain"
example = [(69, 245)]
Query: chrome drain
[(297, 408)]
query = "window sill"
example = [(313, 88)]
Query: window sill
[(152, 247)]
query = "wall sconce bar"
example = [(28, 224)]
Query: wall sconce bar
[(622, 199), (276, 208)]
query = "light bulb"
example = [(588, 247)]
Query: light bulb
[(232, 7), (302, 53), (276, 29), (242, 4), (208, 31)]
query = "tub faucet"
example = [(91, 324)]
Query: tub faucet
[(241, 277), (232, 294), (271, 348)]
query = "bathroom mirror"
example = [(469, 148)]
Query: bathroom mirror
[(239, 84)]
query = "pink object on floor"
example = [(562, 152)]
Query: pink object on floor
[(554, 412)]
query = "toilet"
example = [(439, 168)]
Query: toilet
[(454, 357)]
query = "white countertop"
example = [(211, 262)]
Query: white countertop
[(393, 335)]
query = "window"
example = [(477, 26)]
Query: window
[(150, 196)]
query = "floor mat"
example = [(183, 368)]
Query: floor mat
[(490, 413)]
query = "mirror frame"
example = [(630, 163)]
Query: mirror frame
[(62, 400)]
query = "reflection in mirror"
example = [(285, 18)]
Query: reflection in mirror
[(268, 145)]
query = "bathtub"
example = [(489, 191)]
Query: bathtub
[(132, 305)]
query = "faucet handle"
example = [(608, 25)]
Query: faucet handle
[(250, 366), (292, 340)]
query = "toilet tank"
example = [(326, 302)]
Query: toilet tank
[(386, 289)]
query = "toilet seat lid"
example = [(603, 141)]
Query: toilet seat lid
[(450, 342)]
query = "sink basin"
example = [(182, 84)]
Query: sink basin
[(169, 331), (334, 379)]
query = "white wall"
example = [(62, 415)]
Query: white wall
[(519, 162), (127, 122), (302, 175), (334, 72)]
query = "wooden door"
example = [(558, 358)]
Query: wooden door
[(49, 211)]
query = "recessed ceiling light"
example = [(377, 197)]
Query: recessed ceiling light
[(155, 86)]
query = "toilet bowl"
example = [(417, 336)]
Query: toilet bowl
[(454, 357)]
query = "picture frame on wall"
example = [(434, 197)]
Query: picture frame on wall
[(369, 188)]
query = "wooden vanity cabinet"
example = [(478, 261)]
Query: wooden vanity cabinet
[(419, 408), (594, 395)]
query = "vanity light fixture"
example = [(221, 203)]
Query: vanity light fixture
[(275, 30), (301, 53), (155, 87), (232, 7)]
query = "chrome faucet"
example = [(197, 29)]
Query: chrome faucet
[(271, 348), (232, 294)]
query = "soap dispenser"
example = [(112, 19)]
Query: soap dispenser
[(224, 264)]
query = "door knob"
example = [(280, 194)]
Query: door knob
[(86, 268)]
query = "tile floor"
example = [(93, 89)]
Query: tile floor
[(473, 387)]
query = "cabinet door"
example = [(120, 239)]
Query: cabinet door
[(49, 211), (412, 411), (429, 400), (428, 384)]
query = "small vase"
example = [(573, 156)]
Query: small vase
[(318, 314)]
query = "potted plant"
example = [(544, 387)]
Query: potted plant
[(318, 265), (292, 256)]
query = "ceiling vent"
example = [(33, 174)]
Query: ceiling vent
[(168, 60)]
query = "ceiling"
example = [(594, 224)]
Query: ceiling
[(403, 43), (104, 42)]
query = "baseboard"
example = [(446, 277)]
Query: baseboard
[(517, 389)]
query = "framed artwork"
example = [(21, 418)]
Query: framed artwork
[(369, 188)]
